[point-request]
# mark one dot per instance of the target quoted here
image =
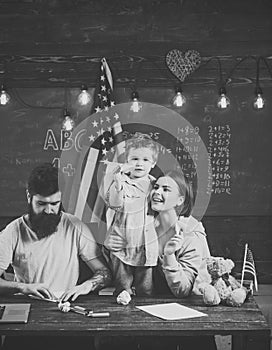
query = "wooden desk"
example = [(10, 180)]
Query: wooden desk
[(246, 324)]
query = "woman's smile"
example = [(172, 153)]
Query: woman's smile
[(157, 198)]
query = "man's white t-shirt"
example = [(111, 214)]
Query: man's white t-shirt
[(53, 260)]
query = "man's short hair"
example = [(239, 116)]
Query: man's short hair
[(43, 180)]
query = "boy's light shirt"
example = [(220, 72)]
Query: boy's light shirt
[(132, 223)]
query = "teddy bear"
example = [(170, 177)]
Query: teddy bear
[(223, 288)]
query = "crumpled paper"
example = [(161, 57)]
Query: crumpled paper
[(64, 307), (123, 298)]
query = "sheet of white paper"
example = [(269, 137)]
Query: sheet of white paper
[(171, 311)]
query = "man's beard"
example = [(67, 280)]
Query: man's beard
[(43, 224)]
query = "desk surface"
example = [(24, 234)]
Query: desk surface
[(46, 319)]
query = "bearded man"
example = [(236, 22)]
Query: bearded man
[(45, 245)]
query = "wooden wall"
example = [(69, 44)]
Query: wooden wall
[(59, 43), (50, 43)]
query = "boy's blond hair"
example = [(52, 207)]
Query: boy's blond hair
[(140, 140)]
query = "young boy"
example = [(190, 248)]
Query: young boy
[(128, 196)]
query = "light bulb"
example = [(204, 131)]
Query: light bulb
[(136, 106), (258, 102), (4, 97), (223, 102), (84, 97), (68, 123), (179, 100)]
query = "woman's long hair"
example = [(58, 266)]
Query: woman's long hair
[(185, 190)]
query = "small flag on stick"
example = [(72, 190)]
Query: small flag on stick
[(249, 266)]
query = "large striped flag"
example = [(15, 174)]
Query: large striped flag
[(249, 266), (105, 131)]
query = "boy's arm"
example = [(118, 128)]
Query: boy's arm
[(115, 192)]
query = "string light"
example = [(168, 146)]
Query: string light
[(223, 101), (4, 97), (179, 100), (136, 105), (258, 102), (68, 123), (84, 97)]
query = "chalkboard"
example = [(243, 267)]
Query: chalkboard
[(246, 137), (30, 133), (238, 142)]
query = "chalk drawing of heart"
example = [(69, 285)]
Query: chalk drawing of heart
[(182, 64)]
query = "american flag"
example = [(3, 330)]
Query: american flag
[(104, 133), (249, 266)]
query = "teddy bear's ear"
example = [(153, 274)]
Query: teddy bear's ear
[(210, 263)]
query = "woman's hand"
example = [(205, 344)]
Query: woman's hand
[(173, 244), (115, 243)]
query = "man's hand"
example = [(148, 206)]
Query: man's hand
[(38, 289), (82, 289), (173, 244)]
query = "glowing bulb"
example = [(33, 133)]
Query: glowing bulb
[(84, 97), (258, 102), (68, 123), (223, 101), (179, 100), (4, 97), (136, 106)]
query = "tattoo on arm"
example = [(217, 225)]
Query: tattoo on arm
[(101, 278)]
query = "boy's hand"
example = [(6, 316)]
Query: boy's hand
[(173, 244), (115, 243), (126, 168), (120, 177)]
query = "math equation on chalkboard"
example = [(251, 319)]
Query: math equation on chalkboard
[(219, 150), (218, 147)]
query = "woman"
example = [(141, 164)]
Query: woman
[(183, 249)]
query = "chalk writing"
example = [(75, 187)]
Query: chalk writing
[(66, 143), (218, 148), (187, 149)]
